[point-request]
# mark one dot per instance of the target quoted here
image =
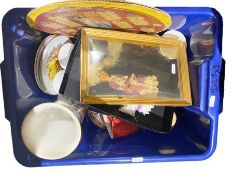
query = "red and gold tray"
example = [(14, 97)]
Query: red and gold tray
[(67, 18)]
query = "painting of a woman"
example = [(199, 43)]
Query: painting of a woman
[(132, 70)]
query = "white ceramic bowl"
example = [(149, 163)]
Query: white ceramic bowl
[(51, 131), (171, 53), (175, 35)]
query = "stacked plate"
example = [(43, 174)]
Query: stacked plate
[(51, 61)]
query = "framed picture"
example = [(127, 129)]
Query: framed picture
[(127, 68)]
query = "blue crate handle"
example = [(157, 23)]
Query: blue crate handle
[(216, 73), (215, 82)]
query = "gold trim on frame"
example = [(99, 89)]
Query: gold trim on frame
[(133, 38)]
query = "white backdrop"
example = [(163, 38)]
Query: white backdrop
[(220, 162)]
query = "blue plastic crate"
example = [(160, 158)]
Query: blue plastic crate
[(195, 134)]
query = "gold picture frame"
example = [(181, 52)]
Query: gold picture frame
[(136, 80)]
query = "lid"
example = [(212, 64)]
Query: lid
[(67, 18)]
